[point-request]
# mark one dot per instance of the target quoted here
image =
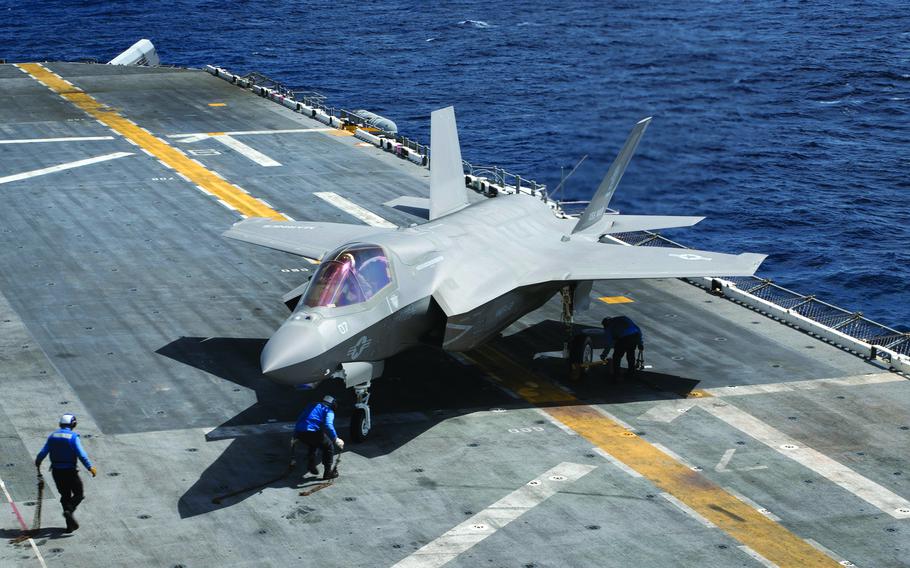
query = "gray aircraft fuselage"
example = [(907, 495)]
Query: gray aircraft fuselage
[(314, 341)]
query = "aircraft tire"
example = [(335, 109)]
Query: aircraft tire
[(359, 432), (581, 351)]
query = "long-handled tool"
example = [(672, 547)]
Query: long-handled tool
[(36, 522), (314, 488)]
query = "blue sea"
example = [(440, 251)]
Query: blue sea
[(785, 123)]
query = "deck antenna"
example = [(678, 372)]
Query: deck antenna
[(566, 177)]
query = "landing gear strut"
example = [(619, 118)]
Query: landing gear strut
[(360, 420), (578, 349), (359, 375)]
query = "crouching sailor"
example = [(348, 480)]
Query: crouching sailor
[(316, 429), (624, 336), (65, 447)]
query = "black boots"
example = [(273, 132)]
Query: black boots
[(330, 474), (71, 524)]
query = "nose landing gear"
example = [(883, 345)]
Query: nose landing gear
[(360, 420), (359, 376)]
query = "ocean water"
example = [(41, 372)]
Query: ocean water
[(785, 123)]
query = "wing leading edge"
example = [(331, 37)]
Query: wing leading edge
[(598, 261), (303, 238)]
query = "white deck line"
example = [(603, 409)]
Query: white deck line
[(758, 557), (70, 139), (839, 474), (31, 541), (247, 151), (549, 418), (607, 456), (354, 210), (485, 523), (62, 167), (202, 135), (689, 511), (812, 384)]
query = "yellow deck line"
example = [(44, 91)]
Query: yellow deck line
[(616, 300), (738, 519), (170, 156)]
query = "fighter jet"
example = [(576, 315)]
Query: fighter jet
[(457, 280)]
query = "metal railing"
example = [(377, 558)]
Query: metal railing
[(853, 324)]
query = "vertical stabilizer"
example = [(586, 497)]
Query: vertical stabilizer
[(601, 199), (447, 189)]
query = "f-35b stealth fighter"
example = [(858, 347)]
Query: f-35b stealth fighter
[(456, 280)]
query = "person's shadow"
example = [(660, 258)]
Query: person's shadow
[(40, 536)]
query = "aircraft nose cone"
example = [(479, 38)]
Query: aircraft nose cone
[(285, 352)]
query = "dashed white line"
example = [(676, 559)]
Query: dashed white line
[(31, 541), (607, 456), (753, 504), (758, 557), (485, 523), (70, 139), (839, 474), (354, 210), (227, 205), (688, 510), (675, 456), (813, 384), (196, 136), (549, 418), (62, 167), (247, 151)]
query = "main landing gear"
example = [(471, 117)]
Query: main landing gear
[(577, 348)]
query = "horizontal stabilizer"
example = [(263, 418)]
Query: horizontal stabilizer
[(447, 189), (303, 238), (611, 224), (607, 188)]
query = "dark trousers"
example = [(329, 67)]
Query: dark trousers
[(69, 486), (625, 346), (318, 442)]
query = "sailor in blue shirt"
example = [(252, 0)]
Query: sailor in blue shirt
[(316, 429), (623, 336), (65, 448)]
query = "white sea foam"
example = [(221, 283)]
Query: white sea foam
[(475, 23)]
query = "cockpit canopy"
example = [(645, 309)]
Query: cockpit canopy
[(352, 276)]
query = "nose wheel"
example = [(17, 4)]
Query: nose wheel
[(360, 420)]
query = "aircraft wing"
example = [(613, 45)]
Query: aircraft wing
[(582, 260), (303, 238)]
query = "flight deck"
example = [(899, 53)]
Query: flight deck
[(745, 441)]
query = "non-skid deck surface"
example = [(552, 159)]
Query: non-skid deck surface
[(121, 302)]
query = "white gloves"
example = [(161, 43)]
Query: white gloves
[(340, 443)]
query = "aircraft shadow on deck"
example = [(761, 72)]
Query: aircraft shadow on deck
[(598, 386), (424, 386)]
